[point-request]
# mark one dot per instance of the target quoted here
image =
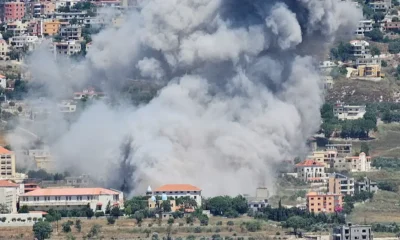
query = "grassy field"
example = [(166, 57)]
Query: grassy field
[(128, 229)]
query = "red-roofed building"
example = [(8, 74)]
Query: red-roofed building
[(176, 191), (71, 198), (311, 171)]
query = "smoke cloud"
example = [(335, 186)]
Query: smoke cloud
[(241, 92)]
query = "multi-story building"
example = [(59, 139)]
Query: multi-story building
[(366, 185), (178, 190), (66, 3), (77, 17), (324, 202), (3, 81), (392, 26), (352, 232), (66, 48), (71, 32), (362, 163), (348, 112), (260, 201), (37, 10), (360, 48), (340, 184), (52, 27), (67, 107), (9, 194), (42, 159), (4, 50), (326, 157), (7, 164), (71, 198), (14, 11), (363, 27), (380, 5), (17, 28), (49, 7), (343, 149), (26, 42), (311, 171), (368, 61)]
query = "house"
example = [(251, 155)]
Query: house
[(4, 50), (7, 164), (9, 194), (3, 81), (348, 112), (361, 163), (260, 201), (67, 107), (339, 183), (30, 186), (360, 48), (371, 70), (71, 32), (352, 232), (27, 42), (343, 149), (17, 28), (42, 159), (66, 48), (311, 171), (179, 190), (325, 157), (380, 5), (366, 185), (363, 27), (71, 198), (324, 202), (14, 11), (51, 27)]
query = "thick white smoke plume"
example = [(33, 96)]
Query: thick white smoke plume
[(242, 92)]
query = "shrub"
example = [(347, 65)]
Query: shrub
[(78, 225), (170, 221), (253, 226), (181, 224), (13, 219), (110, 220), (197, 229), (99, 214), (34, 219), (150, 225), (219, 223), (217, 230), (277, 233), (3, 219), (230, 230), (19, 219), (216, 236), (66, 227), (230, 223), (29, 219)]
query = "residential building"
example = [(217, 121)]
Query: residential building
[(324, 202), (49, 7), (392, 26), (348, 112), (7, 164), (352, 232), (87, 93), (325, 157), (310, 171), (51, 27), (30, 186), (76, 181), (372, 71), (366, 185), (362, 163), (67, 107), (179, 190), (71, 32), (42, 159), (66, 48), (66, 3), (380, 5), (9, 194), (360, 48), (343, 149), (77, 17), (260, 201), (26, 42), (17, 28), (72, 198), (37, 10), (4, 50), (363, 27), (368, 61), (340, 184), (3, 81), (14, 11)]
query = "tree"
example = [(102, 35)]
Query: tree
[(253, 226), (375, 51), (110, 220), (295, 222), (166, 206), (219, 205), (343, 52), (94, 231), (23, 209), (78, 225), (384, 63), (89, 212), (99, 214), (378, 16), (375, 35), (365, 148), (240, 204), (108, 208), (138, 216), (394, 47), (170, 220), (115, 212), (4, 209), (66, 227), (42, 230)]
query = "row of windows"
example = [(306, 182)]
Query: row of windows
[(58, 198)]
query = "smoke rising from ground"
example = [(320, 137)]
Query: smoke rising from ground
[(242, 92)]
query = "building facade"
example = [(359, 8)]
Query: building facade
[(366, 185), (371, 70), (326, 157), (311, 171), (352, 232), (363, 27), (51, 28), (66, 48), (324, 202), (179, 190), (71, 32), (380, 5), (260, 201), (3, 81), (9, 194), (7, 164), (360, 48), (71, 198), (348, 112), (14, 11), (4, 50), (340, 184)]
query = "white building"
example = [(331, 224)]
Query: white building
[(3, 81), (72, 198), (348, 112), (30, 42), (67, 107), (65, 48), (360, 48), (380, 5), (179, 190), (9, 194), (363, 27), (311, 171)]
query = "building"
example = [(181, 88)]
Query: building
[(7, 164), (4, 50), (310, 171), (352, 232), (362, 163), (14, 11), (42, 159), (380, 5), (328, 82), (372, 71), (17, 28), (179, 190), (392, 26), (77, 17), (78, 182), (153, 203), (348, 112), (71, 198), (360, 48), (340, 184), (326, 157), (51, 27), (71, 32), (66, 48), (9, 194), (87, 93), (369, 61), (67, 107), (324, 202), (343, 149), (363, 27), (3, 81), (260, 201), (29, 43), (366, 185), (30, 186)]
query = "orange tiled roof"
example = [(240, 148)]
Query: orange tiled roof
[(69, 192), (177, 187), (309, 163), (4, 151), (6, 183)]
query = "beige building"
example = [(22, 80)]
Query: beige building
[(326, 157), (51, 28), (7, 164), (362, 163), (340, 184), (9, 194), (3, 50), (324, 202), (311, 171), (42, 159)]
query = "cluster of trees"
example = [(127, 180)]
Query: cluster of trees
[(226, 206), (388, 186), (359, 128), (343, 52), (348, 206), (42, 174), (389, 163), (392, 227)]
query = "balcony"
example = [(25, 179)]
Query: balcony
[(56, 203)]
